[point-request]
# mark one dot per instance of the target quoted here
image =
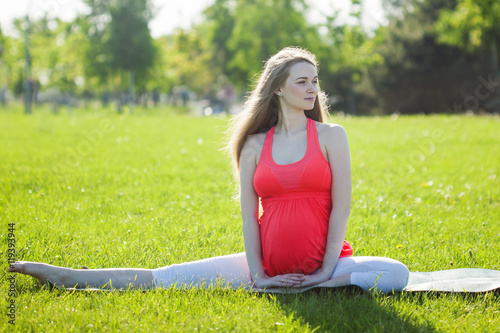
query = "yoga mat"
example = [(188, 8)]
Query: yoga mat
[(454, 280)]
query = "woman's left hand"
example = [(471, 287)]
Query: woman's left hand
[(315, 279)]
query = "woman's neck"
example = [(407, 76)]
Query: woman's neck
[(289, 123)]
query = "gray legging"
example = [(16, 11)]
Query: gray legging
[(232, 270)]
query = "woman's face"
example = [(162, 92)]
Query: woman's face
[(300, 88)]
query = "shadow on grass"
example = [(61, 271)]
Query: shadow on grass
[(348, 309)]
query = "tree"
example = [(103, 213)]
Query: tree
[(4, 70), (346, 53), (219, 23), (95, 26), (420, 75), (470, 25), (55, 54), (12, 63), (56, 51), (130, 43), (244, 33), (188, 59)]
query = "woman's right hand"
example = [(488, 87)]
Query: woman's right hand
[(279, 281)]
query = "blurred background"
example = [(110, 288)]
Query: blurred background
[(376, 57)]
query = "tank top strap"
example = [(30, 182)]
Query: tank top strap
[(266, 149), (312, 138)]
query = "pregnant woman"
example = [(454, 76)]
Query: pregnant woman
[(295, 190)]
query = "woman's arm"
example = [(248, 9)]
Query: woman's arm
[(339, 158), (250, 210), (251, 231)]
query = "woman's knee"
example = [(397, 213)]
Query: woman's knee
[(382, 274), (398, 275)]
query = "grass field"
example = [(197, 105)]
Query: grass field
[(97, 189)]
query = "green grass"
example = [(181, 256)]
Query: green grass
[(97, 189)]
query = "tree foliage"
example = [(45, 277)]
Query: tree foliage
[(419, 74), (426, 59), (347, 52), (249, 31), (6, 60), (187, 57), (130, 43), (470, 25), (95, 26)]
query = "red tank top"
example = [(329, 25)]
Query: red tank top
[(296, 206)]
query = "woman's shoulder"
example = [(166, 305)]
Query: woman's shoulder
[(253, 147), (254, 143), (256, 140), (330, 131), (332, 140)]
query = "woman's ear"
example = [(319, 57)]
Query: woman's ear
[(279, 93)]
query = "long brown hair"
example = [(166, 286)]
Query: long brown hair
[(262, 108)]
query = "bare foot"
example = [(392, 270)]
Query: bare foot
[(43, 272)]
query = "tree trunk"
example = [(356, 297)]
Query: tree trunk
[(131, 96), (494, 57), (27, 84), (352, 96)]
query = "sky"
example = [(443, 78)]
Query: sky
[(169, 14)]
